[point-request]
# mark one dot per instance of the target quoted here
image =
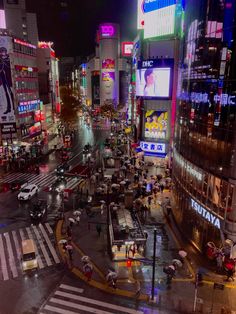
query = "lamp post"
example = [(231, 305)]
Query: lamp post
[(154, 263)]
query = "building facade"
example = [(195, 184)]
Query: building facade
[(48, 83), (20, 22), (204, 161), (19, 97)]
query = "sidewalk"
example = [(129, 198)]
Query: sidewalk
[(180, 296)]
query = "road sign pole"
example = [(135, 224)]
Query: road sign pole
[(154, 263)]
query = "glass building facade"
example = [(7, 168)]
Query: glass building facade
[(204, 157)]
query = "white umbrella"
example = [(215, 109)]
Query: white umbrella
[(102, 201), (69, 247), (122, 182), (112, 203), (77, 213), (71, 219), (113, 185), (182, 253), (62, 241), (172, 267), (177, 262), (85, 259), (111, 275)]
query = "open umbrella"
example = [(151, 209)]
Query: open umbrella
[(169, 270), (182, 253), (85, 259), (77, 213), (177, 262), (71, 219), (102, 201), (111, 276), (69, 247), (62, 241)]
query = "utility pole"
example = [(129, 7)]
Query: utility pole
[(154, 263)]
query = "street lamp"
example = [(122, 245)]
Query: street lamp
[(154, 263)]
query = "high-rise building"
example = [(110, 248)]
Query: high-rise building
[(204, 160), (48, 82), (21, 23)]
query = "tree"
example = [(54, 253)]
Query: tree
[(70, 105)]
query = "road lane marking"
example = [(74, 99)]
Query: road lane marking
[(30, 235), (22, 236), (49, 243), (80, 306), (43, 249), (49, 228), (96, 302), (11, 256), (3, 260), (71, 288), (17, 246), (57, 310)]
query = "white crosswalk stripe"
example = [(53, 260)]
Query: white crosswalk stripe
[(11, 254), (68, 300), (41, 180)]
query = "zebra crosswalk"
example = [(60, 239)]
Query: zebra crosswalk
[(69, 300), (10, 249), (41, 180)]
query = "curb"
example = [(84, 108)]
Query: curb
[(77, 272)]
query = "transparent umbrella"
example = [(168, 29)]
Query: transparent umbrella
[(62, 241)]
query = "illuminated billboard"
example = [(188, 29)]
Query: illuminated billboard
[(107, 30), (108, 64), (2, 19), (140, 15), (159, 18), (108, 76), (156, 124), (153, 82), (154, 78)]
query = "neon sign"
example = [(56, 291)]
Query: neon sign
[(222, 99), (107, 30)]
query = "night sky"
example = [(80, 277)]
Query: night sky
[(72, 24)]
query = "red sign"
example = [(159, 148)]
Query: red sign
[(127, 48)]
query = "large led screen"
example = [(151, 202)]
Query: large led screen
[(159, 22), (153, 82), (156, 124)]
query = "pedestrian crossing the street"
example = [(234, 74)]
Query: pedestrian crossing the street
[(69, 300), (41, 180), (11, 254)]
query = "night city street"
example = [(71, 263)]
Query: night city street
[(117, 156)]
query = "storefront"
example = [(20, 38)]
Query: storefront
[(204, 203)]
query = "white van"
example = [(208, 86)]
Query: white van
[(29, 258)]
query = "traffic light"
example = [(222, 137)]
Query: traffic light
[(128, 263)]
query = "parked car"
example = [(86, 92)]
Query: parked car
[(38, 210), (28, 192), (18, 185)]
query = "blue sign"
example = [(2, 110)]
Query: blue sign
[(156, 63), (152, 5), (153, 147)]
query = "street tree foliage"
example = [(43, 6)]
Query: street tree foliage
[(70, 105)]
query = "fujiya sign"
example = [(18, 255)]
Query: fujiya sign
[(208, 216)]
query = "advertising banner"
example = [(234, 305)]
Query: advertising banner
[(108, 76), (156, 124), (153, 82), (8, 128), (108, 64), (6, 94)]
